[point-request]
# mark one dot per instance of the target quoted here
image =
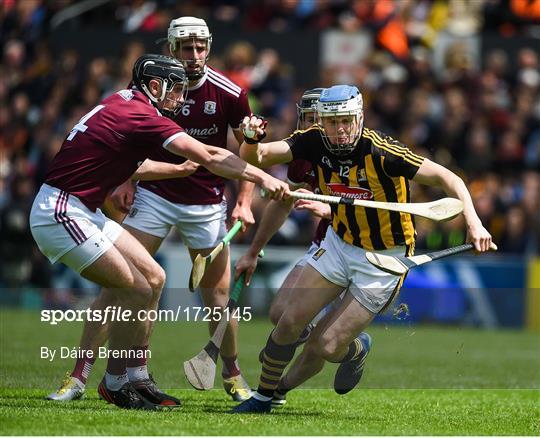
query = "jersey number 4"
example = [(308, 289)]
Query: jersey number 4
[(80, 126)]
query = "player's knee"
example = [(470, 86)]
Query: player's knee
[(292, 323), (215, 297), (156, 278)]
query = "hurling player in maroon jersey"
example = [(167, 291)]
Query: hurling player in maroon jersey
[(177, 192), (193, 201), (101, 151), (300, 176)]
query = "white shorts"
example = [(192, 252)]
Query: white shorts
[(66, 230), (302, 262), (346, 265), (199, 226)]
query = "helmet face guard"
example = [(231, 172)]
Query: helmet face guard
[(307, 105), (194, 31), (340, 114), (171, 75)]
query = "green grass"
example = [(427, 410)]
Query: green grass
[(418, 381), (310, 412)]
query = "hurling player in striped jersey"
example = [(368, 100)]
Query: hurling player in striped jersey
[(300, 176), (349, 160)]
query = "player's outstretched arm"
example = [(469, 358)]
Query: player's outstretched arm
[(224, 163), (151, 170), (273, 217), (316, 208), (242, 209), (262, 154), (123, 196), (434, 174)]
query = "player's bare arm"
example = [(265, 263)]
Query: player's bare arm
[(434, 174), (262, 154), (123, 196), (316, 208), (151, 170), (242, 209), (273, 217), (224, 163)]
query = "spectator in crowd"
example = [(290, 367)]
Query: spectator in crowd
[(480, 117)]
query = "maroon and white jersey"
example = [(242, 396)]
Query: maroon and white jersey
[(301, 172), (105, 147), (213, 105)]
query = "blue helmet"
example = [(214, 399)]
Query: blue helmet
[(341, 102)]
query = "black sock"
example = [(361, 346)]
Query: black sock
[(275, 358)]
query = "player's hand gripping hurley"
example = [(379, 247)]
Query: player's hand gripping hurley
[(201, 263), (200, 370), (440, 210), (399, 265)]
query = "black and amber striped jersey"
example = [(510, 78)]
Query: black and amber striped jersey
[(378, 169)]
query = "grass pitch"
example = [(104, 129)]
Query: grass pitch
[(418, 381)]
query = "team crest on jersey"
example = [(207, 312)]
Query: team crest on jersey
[(326, 161), (126, 94), (317, 255), (361, 175), (340, 189), (209, 107), (133, 212)]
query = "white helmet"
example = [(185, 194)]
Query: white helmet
[(337, 101), (185, 28)]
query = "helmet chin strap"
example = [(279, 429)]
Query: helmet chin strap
[(151, 96)]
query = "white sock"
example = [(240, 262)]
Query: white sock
[(78, 382), (114, 383), (260, 397), (137, 373)]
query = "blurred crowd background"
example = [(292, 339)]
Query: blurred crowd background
[(426, 70)]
